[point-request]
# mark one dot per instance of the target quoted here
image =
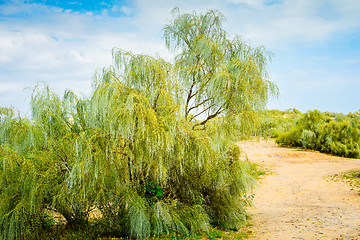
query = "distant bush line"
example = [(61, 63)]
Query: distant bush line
[(334, 133)]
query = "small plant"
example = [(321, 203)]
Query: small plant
[(214, 233), (153, 192), (259, 170), (352, 177)]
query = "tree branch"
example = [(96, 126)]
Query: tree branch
[(219, 111), (201, 112), (198, 105), (155, 102), (189, 97)]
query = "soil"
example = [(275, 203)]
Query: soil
[(297, 199)]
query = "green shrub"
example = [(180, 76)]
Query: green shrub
[(308, 139), (291, 138), (336, 134), (274, 122)]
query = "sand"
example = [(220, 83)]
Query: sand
[(298, 200)]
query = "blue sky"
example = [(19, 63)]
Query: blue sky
[(316, 44)]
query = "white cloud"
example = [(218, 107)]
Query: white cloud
[(352, 61), (291, 21), (9, 87), (319, 58), (251, 3), (123, 9), (64, 48), (273, 25), (16, 7)]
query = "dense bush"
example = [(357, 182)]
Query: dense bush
[(337, 134), (274, 121), (133, 157)]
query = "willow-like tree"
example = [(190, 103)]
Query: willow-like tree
[(137, 151), (220, 76)]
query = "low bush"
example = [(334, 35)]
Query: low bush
[(275, 121), (336, 134)]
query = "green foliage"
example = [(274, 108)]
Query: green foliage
[(337, 134), (134, 150), (5, 112), (93, 232), (275, 121), (308, 139), (220, 76)]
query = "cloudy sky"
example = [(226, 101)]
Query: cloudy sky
[(316, 44)]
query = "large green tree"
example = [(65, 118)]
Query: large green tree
[(219, 76), (135, 156)]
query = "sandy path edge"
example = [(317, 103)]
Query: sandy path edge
[(298, 201)]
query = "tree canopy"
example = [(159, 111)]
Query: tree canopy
[(219, 76), (135, 156)]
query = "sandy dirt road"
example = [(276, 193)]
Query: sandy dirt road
[(298, 200)]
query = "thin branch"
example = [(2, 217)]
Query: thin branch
[(198, 105), (203, 85), (218, 112), (189, 97), (155, 102), (201, 112)]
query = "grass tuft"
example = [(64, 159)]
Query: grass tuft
[(352, 177)]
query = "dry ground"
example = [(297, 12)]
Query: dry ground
[(297, 200)]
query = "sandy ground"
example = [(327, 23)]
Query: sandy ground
[(298, 200)]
